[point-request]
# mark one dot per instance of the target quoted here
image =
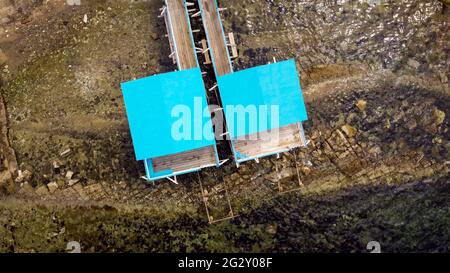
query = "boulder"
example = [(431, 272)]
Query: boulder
[(439, 116), (154, 35), (23, 176), (361, 104), (413, 63), (52, 187), (349, 130), (42, 190), (69, 175), (72, 182)]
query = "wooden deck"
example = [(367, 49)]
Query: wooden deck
[(215, 33), (185, 161), (287, 137), (186, 55)]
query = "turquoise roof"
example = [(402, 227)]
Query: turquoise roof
[(274, 85), (156, 105)]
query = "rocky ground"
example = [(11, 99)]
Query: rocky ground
[(375, 79)]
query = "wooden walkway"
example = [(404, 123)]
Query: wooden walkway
[(216, 38), (186, 55)]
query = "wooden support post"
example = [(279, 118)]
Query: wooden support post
[(163, 11), (205, 198), (214, 87), (173, 180), (228, 199), (234, 52), (196, 14), (302, 134), (300, 184), (205, 52)]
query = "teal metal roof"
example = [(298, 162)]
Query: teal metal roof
[(274, 85), (157, 105)]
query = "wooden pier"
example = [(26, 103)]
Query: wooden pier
[(218, 49), (179, 32), (184, 54), (216, 38)]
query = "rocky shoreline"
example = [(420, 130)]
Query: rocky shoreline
[(377, 166)]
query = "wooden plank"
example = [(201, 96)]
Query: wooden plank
[(260, 147), (265, 149), (288, 138), (186, 56), (184, 165), (186, 160), (180, 159), (216, 41), (205, 47), (176, 158), (234, 52), (270, 135)]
